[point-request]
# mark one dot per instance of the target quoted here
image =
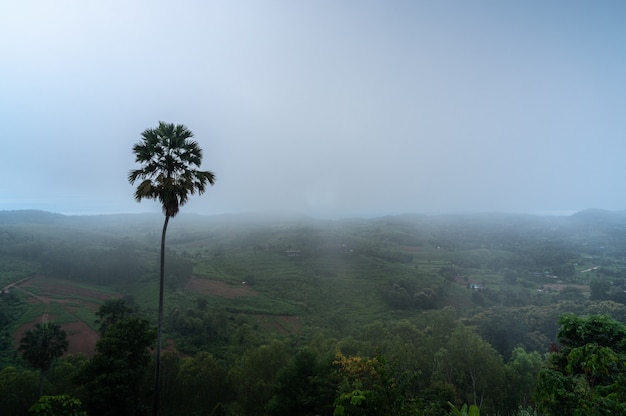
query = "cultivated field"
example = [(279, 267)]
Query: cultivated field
[(70, 304)]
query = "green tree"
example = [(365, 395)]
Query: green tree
[(600, 289), (473, 366), (306, 386), (62, 374), (168, 157), (372, 386), (521, 377), (494, 326), (586, 374), (114, 377), (253, 376), (11, 307), (62, 405), (112, 311), (18, 390), (202, 384), (41, 345)]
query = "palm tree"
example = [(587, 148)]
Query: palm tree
[(169, 158), (41, 345)]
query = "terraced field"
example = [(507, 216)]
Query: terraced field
[(70, 304)]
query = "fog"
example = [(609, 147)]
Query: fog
[(327, 108)]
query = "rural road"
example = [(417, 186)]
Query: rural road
[(19, 282)]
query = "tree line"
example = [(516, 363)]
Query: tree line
[(405, 368)]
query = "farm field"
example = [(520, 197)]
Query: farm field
[(71, 304)]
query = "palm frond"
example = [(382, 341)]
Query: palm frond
[(168, 159)]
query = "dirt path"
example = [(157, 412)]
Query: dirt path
[(32, 295), (18, 286), (19, 282)]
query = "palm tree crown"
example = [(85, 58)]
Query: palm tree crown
[(41, 345), (169, 158)]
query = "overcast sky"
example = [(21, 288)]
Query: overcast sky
[(328, 108)]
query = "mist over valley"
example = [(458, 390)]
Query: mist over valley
[(236, 284)]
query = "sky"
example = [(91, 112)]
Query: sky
[(326, 108)]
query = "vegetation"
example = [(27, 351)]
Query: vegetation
[(62, 405), (41, 345), (114, 378), (168, 157), (585, 373), (284, 316), (472, 410)]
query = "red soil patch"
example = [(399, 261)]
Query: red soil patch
[(49, 288), (217, 288), (81, 339), (558, 287)]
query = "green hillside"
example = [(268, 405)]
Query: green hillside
[(398, 286)]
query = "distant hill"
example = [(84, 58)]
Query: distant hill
[(601, 219), (596, 214), (29, 217), (589, 217)]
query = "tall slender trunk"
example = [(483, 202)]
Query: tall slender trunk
[(157, 370), (40, 382)]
